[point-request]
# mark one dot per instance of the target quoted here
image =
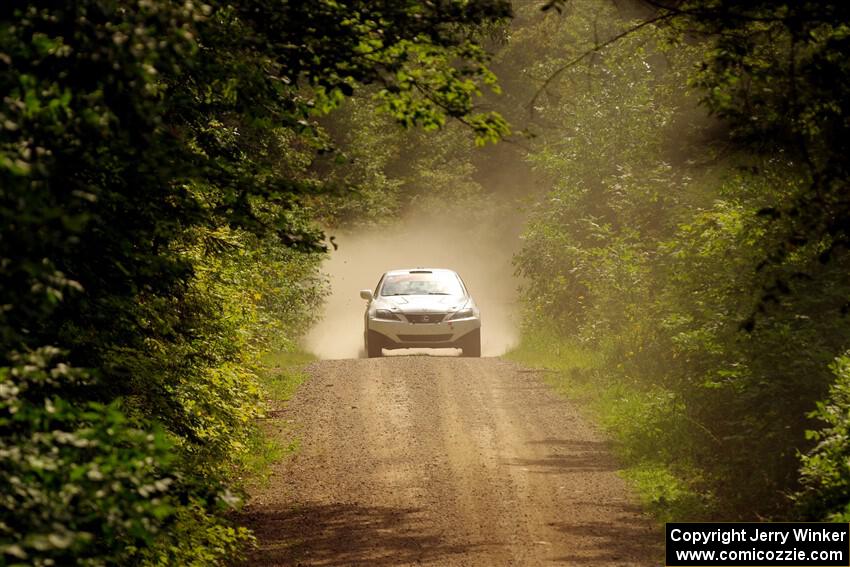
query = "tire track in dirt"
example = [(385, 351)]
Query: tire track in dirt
[(446, 462)]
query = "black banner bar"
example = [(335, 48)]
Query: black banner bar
[(756, 544)]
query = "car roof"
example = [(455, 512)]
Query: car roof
[(418, 270)]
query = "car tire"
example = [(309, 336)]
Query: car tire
[(374, 345), (471, 344)]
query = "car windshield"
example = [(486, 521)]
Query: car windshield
[(422, 283)]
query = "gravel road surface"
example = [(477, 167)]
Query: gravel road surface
[(443, 461)]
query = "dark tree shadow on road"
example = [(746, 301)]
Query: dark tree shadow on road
[(340, 534), (569, 456), (614, 543)]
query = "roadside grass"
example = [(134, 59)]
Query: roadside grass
[(274, 439), (644, 424), (282, 373)]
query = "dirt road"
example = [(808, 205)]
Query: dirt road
[(446, 462)]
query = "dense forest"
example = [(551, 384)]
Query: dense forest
[(169, 173), (690, 254)]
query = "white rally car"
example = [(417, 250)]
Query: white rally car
[(421, 308)]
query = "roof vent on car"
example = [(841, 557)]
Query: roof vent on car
[(421, 272)]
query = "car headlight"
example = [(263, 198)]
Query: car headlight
[(386, 315), (463, 314)]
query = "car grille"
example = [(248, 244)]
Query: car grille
[(425, 338), (419, 318)]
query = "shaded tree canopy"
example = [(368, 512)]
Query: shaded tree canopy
[(126, 123), (777, 73)]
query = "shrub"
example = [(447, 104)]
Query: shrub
[(82, 484), (825, 471)]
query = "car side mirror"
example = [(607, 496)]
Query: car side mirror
[(366, 294)]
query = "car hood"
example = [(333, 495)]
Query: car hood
[(421, 303)]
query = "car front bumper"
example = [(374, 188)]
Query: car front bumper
[(401, 334)]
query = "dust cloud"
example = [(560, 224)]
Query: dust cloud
[(481, 255)]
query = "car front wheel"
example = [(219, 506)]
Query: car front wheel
[(471, 344), (374, 344)]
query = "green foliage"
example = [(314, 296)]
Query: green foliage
[(81, 482), (280, 374), (610, 175), (283, 372), (196, 538), (449, 91), (778, 74), (826, 468), (664, 494), (156, 229), (393, 172), (368, 190), (660, 250)]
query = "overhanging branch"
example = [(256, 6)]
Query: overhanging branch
[(595, 49)]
